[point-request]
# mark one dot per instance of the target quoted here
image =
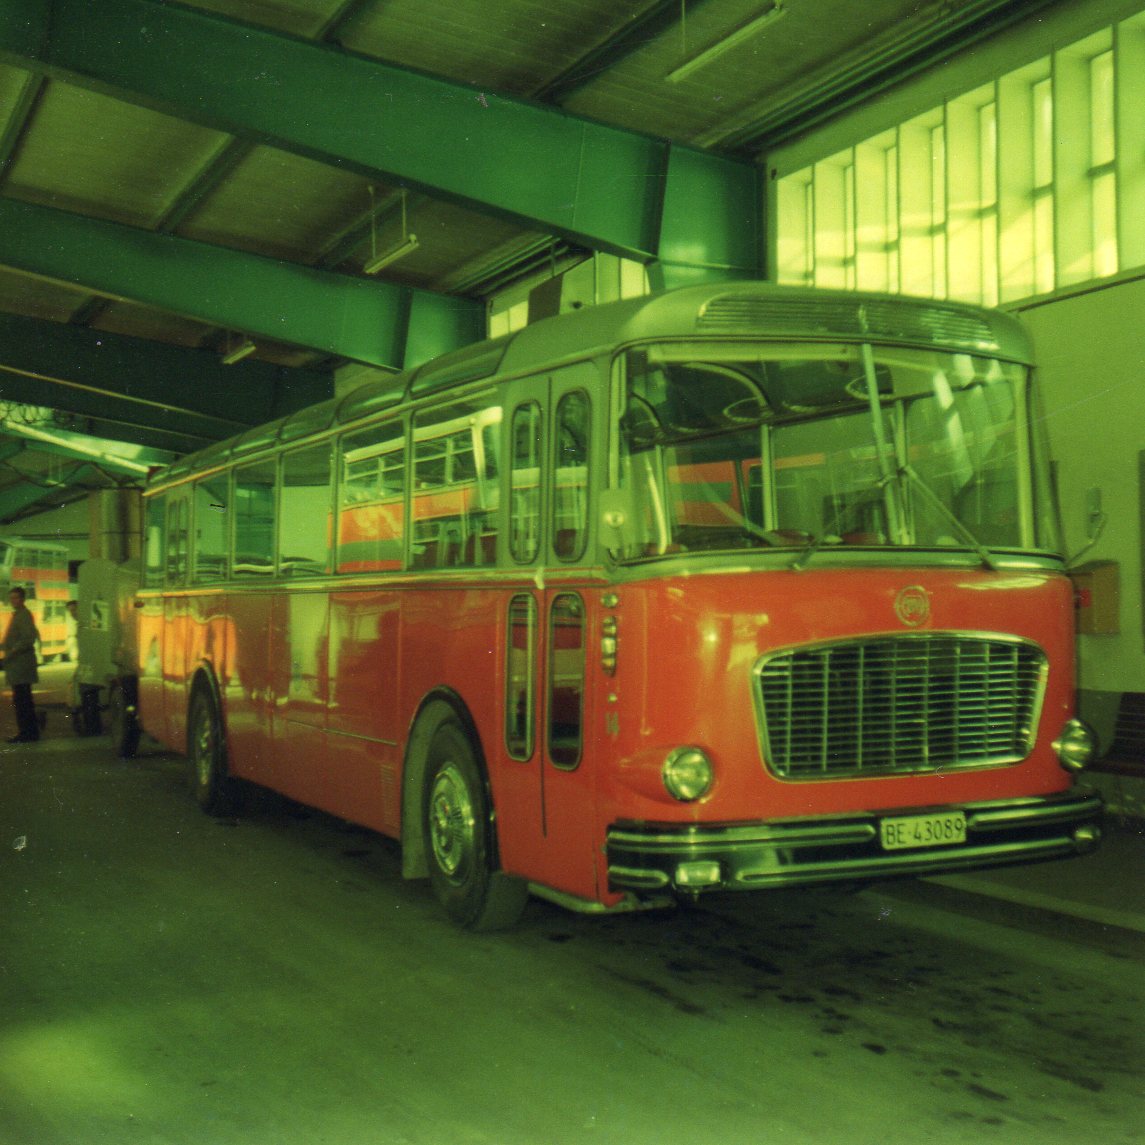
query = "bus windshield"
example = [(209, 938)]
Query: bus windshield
[(805, 446)]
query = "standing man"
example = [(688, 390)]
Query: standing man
[(20, 666)]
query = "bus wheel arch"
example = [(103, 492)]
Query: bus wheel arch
[(211, 784), (448, 830)]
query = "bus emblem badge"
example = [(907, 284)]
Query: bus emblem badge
[(912, 606)]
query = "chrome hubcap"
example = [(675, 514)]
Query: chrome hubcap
[(452, 826), (203, 750)]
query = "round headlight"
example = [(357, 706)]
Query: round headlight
[(687, 774), (1075, 746)]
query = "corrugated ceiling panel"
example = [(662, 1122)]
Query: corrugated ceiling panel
[(510, 47), (279, 204), (637, 94), (99, 156), (304, 19)]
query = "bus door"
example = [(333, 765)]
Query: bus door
[(547, 701)]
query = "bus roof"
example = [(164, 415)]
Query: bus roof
[(717, 310)]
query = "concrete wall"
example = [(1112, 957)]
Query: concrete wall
[(1091, 353)]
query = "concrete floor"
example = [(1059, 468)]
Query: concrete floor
[(170, 978)]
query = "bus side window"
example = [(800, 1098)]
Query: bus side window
[(569, 522), (520, 676), (304, 512), (454, 499), (154, 560), (566, 680), (177, 540), (211, 516), (371, 510), (525, 483), (254, 520)]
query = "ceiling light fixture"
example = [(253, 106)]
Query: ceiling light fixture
[(236, 354), (406, 246), (732, 40)]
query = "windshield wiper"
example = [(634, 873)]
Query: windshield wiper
[(820, 539), (948, 514)]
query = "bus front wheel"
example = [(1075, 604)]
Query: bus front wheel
[(459, 839), (213, 789), (122, 718)]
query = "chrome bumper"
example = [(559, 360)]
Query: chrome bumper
[(795, 852)]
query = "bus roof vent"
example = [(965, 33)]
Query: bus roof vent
[(850, 317), (465, 365)]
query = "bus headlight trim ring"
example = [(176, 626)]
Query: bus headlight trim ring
[(687, 774)]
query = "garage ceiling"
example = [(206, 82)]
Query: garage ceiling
[(178, 182)]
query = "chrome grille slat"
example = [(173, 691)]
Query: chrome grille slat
[(899, 704)]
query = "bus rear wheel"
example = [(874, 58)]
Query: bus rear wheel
[(459, 840), (213, 788)]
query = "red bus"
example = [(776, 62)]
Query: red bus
[(731, 587), (40, 568)]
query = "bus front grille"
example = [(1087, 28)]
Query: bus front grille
[(899, 705)]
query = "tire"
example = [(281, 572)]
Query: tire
[(214, 790), (459, 838), (123, 723)]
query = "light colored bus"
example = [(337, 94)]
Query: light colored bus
[(40, 568), (731, 587)]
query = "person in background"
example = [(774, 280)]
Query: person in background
[(20, 642)]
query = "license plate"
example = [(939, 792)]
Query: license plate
[(948, 827)]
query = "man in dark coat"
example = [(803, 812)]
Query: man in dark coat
[(20, 666)]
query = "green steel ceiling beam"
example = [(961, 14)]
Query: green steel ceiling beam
[(596, 185), (173, 442), (78, 447), (357, 318), (17, 498), (171, 388)]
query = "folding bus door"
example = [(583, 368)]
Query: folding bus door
[(550, 784)]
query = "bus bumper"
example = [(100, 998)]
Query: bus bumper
[(689, 858)]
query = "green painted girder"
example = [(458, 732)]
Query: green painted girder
[(596, 185), (138, 382), (17, 498), (168, 442), (361, 319), (79, 447)]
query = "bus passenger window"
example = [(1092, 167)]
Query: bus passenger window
[(371, 513), (525, 483), (154, 560), (304, 512), (254, 520), (454, 499), (212, 496), (177, 541), (569, 522), (566, 680), (520, 676)]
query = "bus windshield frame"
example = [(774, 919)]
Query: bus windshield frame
[(807, 447)]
